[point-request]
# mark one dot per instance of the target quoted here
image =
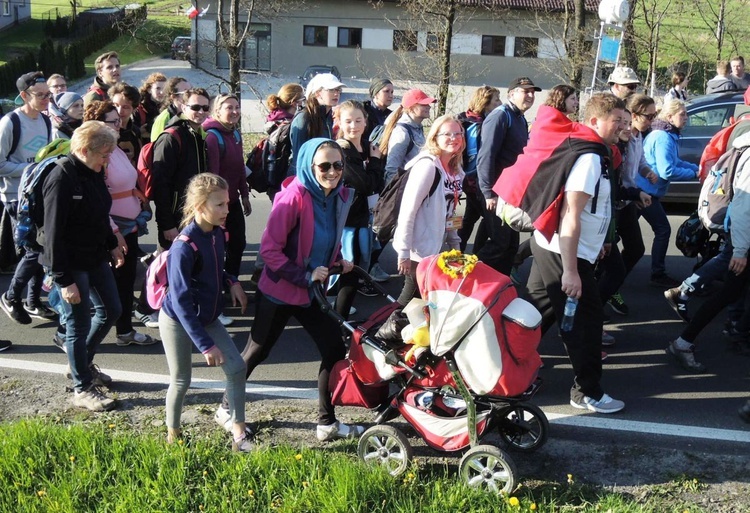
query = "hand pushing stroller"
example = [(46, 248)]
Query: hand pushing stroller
[(475, 374)]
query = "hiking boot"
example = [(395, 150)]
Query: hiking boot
[(664, 281), (14, 309), (338, 430), (378, 274), (678, 304), (5, 344), (744, 412), (604, 405), (93, 399), (366, 289), (39, 311), (98, 378), (134, 338), (617, 303), (685, 357), (607, 339), (59, 340), (149, 320)]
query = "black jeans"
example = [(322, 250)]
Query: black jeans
[(501, 247), (28, 271), (125, 281), (584, 342), (235, 225), (410, 289), (629, 231), (611, 271), (472, 214)]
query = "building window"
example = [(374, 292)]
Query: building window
[(315, 35), (526, 47), (6, 7), (255, 53), (349, 37), (493, 45), (434, 42), (405, 40)]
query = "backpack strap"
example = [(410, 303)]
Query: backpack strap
[(219, 137), (16, 123), (188, 241)]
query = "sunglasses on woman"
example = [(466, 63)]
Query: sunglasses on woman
[(196, 107), (326, 166)]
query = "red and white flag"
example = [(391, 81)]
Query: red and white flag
[(194, 13)]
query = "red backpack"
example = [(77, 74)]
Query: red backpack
[(146, 162)]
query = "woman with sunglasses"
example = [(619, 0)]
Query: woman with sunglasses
[(427, 217), (128, 216), (661, 151), (301, 241)]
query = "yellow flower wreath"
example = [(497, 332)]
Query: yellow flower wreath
[(454, 263)]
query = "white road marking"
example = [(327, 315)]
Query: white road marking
[(584, 420)]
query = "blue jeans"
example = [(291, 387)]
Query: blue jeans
[(84, 333), (656, 217), (714, 269)]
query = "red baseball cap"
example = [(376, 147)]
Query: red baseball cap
[(416, 97)]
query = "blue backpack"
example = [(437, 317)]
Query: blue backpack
[(30, 214), (472, 148)]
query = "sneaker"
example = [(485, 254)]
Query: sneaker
[(15, 310), (685, 357), (338, 430), (148, 258), (744, 412), (607, 339), (678, 304), (664, 281), (366, 289), (39, 311), (223, 418), (5, 344), (59, 340), (149, 320), (134, 338), (99, 379), (617, 303), (225, 320), (739, 341), (378, 274), (93, 399), (243, 444), (604, 405)]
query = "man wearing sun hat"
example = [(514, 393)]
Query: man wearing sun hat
[(22, 133), (505, 133), (623, 82)]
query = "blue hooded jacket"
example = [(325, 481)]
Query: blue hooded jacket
[(661, 149)]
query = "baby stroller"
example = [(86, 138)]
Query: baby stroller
[(475, 373)]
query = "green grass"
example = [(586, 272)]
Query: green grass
[(100, 465)]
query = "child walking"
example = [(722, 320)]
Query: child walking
[(191, 308)]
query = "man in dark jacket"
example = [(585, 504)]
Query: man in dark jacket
[(179, 154), (505, 133), (107, 74)]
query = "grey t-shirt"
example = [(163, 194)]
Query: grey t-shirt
[(33, 137)]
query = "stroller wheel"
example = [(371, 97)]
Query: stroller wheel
[(385, 446), (489, 468), (523, 426)]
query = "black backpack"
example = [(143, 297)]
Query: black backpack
[(269, 160), (385, 214)]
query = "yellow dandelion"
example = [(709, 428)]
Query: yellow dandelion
[(200, 507), (570, 478), (180, 441), (532, 507), (250, 493), (72, 458), (205, 473), (298, 457), (111, 426), (41, 493), (305, 484), (514, 502)]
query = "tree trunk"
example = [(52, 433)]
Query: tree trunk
[(628, 41), (445, 58), (720, 30), (234, 47), (579, 13)]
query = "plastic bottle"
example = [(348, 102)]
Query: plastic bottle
[(424, 400), (569, 314)]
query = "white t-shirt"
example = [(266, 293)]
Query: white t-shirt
[(583, 178)]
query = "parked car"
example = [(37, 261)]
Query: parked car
[(317, 69), (181, 47), (706, 115)]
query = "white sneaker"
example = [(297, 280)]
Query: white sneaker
[(338, 430), (224, 320), (604, 405), (93, 399), (223, 418), (149, 320), (378, 274)]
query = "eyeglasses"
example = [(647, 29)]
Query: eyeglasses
[(58, 86), (41, 96), (114, 121), (451, 135), (337, 166), (196, 107), (650, 117), (632, 87)]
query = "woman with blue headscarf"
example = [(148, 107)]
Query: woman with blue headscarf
[(301, 241)]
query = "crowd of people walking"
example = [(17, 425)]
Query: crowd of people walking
[(170, 150)]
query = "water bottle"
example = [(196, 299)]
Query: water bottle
[(424, 400), (569, 314)]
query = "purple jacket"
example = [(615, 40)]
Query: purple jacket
[(287, 242), (230, 166)]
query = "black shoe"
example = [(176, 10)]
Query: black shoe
[(366, 289), (15, 310), (39, 311), (739, 341), (678, 304), (5, 344), (617, 303), (664, 280)]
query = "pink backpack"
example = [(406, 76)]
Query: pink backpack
[(156, 275)]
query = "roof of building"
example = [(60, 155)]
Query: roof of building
[(592, 6)]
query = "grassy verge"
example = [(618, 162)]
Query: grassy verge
[(102, 466)]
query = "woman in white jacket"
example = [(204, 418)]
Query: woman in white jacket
[(427, 217)]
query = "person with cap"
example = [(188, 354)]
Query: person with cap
[(107, 74), (623, 82), (722, 82), (505, 133), (377, 107), (66, 113), (403, 136), (316, 119), (18, 148)]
